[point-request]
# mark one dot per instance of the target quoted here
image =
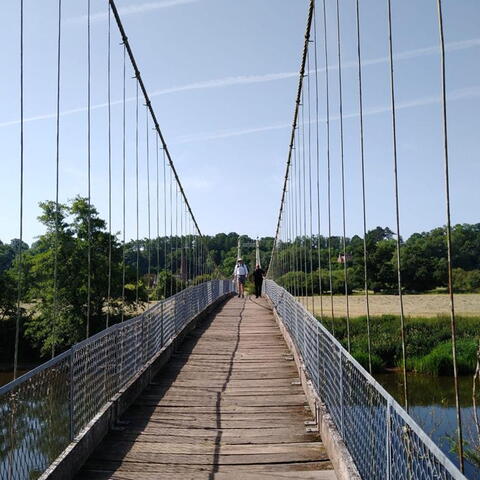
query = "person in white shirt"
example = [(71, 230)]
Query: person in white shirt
[(240, 273)]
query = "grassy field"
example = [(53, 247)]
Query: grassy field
[(414, 305)]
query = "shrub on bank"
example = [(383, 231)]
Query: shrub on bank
[(425, 337), (362, 358), (440, 360)]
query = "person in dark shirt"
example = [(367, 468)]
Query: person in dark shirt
[(258, 275)]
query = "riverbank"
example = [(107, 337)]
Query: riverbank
[(428, 343)]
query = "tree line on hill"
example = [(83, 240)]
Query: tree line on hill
[(423, 262), (173, 265), (53, 274)]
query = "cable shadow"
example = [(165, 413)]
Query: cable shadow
[(111, 452), (270, 309), (218, 416)]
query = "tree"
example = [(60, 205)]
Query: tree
[(58, 267)]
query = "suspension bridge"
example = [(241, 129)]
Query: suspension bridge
[(197, 382)]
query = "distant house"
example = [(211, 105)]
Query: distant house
[(344, 258)]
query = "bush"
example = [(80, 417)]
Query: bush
[(440, 362), (424, 336), (466, 281), (362, 358)]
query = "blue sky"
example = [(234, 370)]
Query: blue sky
[(223, 76)]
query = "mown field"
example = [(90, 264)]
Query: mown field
[(414, 305), (427, 330)]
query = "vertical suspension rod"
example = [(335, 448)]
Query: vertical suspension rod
[(19, 280), (294, 123), (364, 202), (342, 162), (138, 76), (449, 235), (397, 206), (89, 153)]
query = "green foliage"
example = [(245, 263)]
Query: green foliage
[(301, 282), (465, 281), (167, 285), (362, 358), (202, 278), (423, 260), (57, 269), (8, 253), (440, 360), (423, 337)]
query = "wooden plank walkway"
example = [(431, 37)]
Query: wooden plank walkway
[(223, 408)]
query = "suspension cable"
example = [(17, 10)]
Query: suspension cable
[(317, 155), (109, 101), (171, 233), (182, 270), (292, 238), (89, 152), (364, 202), (186, 244), (124, 176), (176, 233), (310, 181), (148, 208), (303, 183), (294, 124), (20, 248), (57, 180), (295, 213), (329, 196), (449, 236), (149, 104), (342, 161), (164, 224), (158, 214), (137, 198), (397, 207)]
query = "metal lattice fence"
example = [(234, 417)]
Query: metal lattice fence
[(45, 409), (383, 440)]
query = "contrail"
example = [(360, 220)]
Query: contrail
[(252, 79), (471, 92), (132, 10)]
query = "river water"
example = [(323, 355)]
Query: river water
[(432, 405), (6, 377)]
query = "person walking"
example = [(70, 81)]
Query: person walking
[(240, 275), (258, 276)]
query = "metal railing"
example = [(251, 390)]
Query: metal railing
[(45, 409), (383, 440)]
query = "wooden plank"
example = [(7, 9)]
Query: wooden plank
[(225, 391), (203, 475), (210, 433), (117, 447), (293, 469), (200, 382), (158, 413), (224, 408), (214, 459), (126, 466), (284, 409), (177, 437)]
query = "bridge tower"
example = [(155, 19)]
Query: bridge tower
[(257, 253)]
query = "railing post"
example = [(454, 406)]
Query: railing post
[(175, 319), (388, 439), (71, 399), (161, 323), (341, 393), (120, 346)]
